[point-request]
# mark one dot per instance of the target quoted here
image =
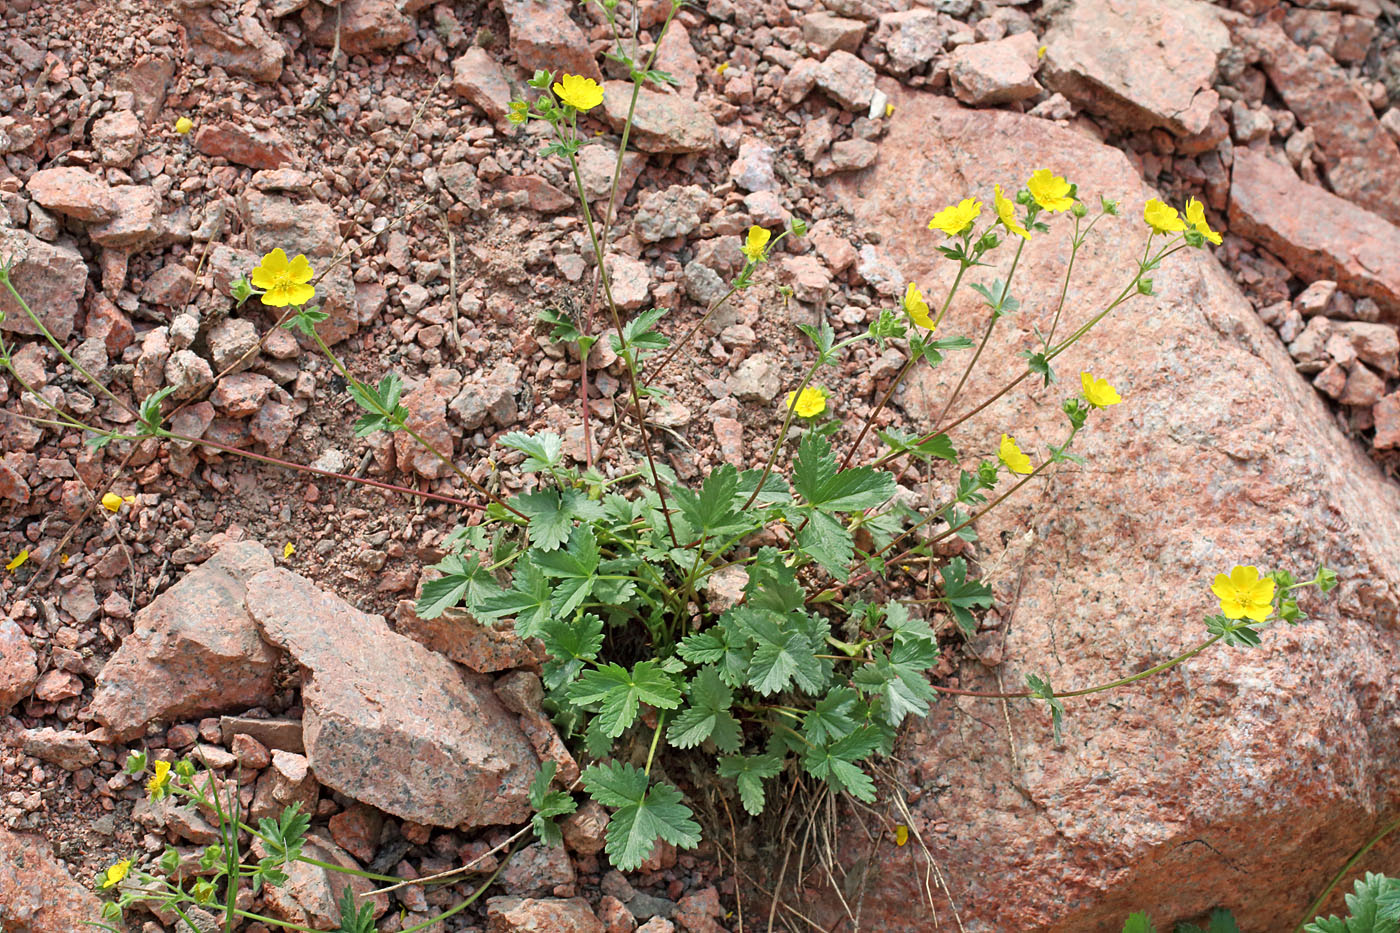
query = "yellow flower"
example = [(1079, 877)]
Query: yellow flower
[(18, 560), (283, 283), (114, 874), (1006, 211), (916, 307), (757, 243), (288, 549), (1011, 455), (955, 219), (1098, 392), (1162, 217), (579, 92), (158, 786), (111, 502), (1244, 593), (1196, 217), (1050, 191), (184, 125), (810, 403)]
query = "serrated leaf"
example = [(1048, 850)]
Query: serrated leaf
[(899, 679), (574, 567), (963, 595), (570, 645), (939, 445), (1374, 907), (785, 654), (1041, 688), (1138, 923), (464, 581), (830, 718), (713, 510), (722, 646), (542, 451), (528, 599), (836, 763), (707, 716), (620, 693), (548, 805), (749, 773), (816, 479), (550, 522), (643, 813), (824, 539)]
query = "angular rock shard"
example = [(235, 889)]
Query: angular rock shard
[(390, 723), (1317, 234), (1219, 454), (1141, 63), (194, 651)]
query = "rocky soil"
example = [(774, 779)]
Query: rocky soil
[(261, 620)]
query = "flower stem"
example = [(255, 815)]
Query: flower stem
[(782, 435), (1321, 899)]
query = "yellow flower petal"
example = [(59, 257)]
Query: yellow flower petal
[(1196, 217), (756, 244), (18, 560), (956, 218), (184, 125), (916, 307), (1006, 213), (1051, 191), (810, 403), (1162, 218), (111, 502), (299, 271), (1011, 455), (115, 873), (901, 835), (288, 549), (579, 92), (1098, 392)]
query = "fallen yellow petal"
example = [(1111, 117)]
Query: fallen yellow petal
[(901, 834), (288, 549), (111, 502), (19, 559)]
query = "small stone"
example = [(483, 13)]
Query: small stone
[(241, 394), (542, 36), (1363, 389), (74, 193), (477, 77), (1376, 344), (847, 80), (232, 344), (137, 221), (852, 155), (51, 277), (169, 286), (251, 754), (537, 870), (912, 38), (39, 894), (288, 781), (69, 750), (662, 123), (825, 32), (525, 915), (117, 137), (188, 374), (242, 145), (584, 829), (365, 26), (1387, 416), (767, 209), (758, 379), (629, 280), (670, 212), (808, 277), (986, 74), (753, 169), (1315, 298)]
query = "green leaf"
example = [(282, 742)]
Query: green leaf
[(528, 599), (815, 478), (548, 804), (643, 813), (620, 693), (151, 418), (352, 920), (1138, 923), (641, 335), (963, 595), (552, 512), (785, 654), (899, 679), (463, 580), (830, 718), (1373, 908), (713, 511), (707, 716), (1041, 688), (575, 567), (904, 442), (837, 763), (542, 451), (283, 839), (1237, 633), (305, 320), (570, 647), (824, 539), (720, 645), (749, 773), (1221, 921), (381, 404)]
